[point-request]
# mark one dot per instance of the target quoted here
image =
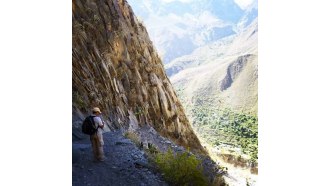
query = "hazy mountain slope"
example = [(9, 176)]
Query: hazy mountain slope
[(199, 56), (238, 44), (242, 94), (221, 74), (115, 67), (178, 27), (246, 41)]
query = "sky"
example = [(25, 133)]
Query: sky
[(184, 1), (241, 3)]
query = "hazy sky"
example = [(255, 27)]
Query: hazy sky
[(184, 1), (242, 3)]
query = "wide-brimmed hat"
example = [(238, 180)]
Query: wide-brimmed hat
[(96, 109)]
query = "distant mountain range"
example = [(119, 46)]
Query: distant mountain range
[(222, 74), (177, 27)]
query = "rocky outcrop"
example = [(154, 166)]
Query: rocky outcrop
[(233, 70), (115, 67)]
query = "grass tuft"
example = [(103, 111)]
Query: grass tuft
[(133, 137)]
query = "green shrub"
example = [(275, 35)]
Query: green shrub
[(78, 100), (152, 149), (181, 168)]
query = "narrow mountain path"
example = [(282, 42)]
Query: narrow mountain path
[(125, 164)]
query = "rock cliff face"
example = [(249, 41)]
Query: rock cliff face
[(115, 67)]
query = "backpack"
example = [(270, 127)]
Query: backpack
[(88, 126)]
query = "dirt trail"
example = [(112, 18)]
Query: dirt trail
[(125, 164)]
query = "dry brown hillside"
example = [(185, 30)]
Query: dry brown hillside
[(223, 74)]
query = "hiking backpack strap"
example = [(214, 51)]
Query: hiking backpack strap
[(92, 118)]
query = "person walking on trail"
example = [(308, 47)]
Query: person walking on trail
[(97, 137)]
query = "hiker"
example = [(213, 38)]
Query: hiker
[(97, 137)]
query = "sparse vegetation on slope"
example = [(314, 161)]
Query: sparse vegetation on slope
[(234, 133), (178, 169), (177, 165), (226, 128)]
